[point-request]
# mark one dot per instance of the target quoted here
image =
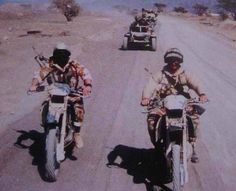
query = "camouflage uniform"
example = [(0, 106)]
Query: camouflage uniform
[(74, 71)]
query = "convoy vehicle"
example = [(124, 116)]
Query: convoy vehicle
[(140, 35)]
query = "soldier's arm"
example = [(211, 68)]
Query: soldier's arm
[(150, 88), (34, 84), (194, 84), (87, 82), (39, 77), (86, 76)]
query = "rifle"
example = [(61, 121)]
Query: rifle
[(40, 59)]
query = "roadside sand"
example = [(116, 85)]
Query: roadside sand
[(226, 28)]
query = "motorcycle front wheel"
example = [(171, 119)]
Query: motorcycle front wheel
[(176, 167), (52, 165)]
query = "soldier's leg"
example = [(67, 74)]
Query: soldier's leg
[(152, 120), (78, 121), (44, 113), (193, 137)]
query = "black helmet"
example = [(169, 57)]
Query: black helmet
[(173, 54), (61, 55)]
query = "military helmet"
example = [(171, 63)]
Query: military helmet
[(173, 54)]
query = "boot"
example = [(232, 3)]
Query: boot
[(78, 140), (69, 136), (194, 157)]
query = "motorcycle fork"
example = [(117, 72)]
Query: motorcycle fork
[(183, 151), (61, 144), (63, 125), (183, 154)]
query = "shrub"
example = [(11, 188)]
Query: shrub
[(69, 8), (229, 6), (200, 9), (180, 10), (223, 15), (160, 6)]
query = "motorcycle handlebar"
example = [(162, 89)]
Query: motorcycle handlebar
[(73, 93), (153, 103), (197, 101), (77, 93), (38, 89)]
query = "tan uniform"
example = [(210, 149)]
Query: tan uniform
[(162, 84), (159, 83)]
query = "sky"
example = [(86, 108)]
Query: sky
[(98, 4), (103, 4), (22, 1)]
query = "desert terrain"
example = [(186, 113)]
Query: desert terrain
[(113, 112)]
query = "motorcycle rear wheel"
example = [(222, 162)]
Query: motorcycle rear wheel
[(52, 165)]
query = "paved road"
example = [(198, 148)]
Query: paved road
[(114, 116)]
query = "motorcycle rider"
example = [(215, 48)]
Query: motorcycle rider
[(63, 70), (172, 80)]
